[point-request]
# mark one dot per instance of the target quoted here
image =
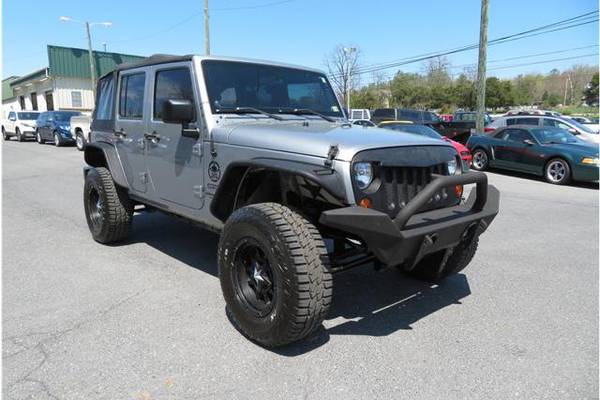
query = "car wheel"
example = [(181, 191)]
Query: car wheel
[(557, 172), (19, 136), (39, 138), (108, 209), (5, 135), (274, 274), (480, 160), (79, 141), (57, 140), (440, 265)]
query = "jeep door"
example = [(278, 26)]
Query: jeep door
[(174, 150), (130, 126)]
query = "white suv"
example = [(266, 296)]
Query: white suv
[(20, 124), (581, 131)]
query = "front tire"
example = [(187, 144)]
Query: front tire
[(108, 209), (274, 274), (557, 172), (481, 160), (57, 140), (38, 137), (19, 136)]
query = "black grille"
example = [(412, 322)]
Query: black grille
[(399, 185)]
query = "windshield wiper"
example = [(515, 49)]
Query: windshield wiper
[(304, 111), (248, 110)]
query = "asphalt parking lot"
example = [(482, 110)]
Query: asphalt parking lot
[(146, 319)]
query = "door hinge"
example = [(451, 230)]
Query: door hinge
[(143, 177), (199, 191), (197, 149)]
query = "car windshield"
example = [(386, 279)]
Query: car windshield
[(269, 88), (553, 135), (416, 129), (65, 116), (28, 115), (579, 126)]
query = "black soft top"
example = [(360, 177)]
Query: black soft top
[(152, 60)]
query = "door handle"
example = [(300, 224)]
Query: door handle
[(153, 137), (120, 134)]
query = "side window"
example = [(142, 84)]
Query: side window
[(104, 109), (76, 101), (527, 121), (511, 121), (171, 84), (518, 135), (11, 115), (131, 96)]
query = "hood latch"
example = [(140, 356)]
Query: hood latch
[(331, 155)]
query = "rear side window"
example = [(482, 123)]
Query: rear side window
[(384, 113), (173, 84), (522, 121), (131, 96), (104, 109)]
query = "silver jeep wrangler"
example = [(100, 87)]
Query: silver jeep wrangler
[(262, 153)]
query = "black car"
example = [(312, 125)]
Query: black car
[(55, 126), (554, 153), (422, 117)]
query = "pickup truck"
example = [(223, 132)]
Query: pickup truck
[(80, 130)]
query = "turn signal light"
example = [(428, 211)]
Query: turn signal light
[(458, 190), (366, 203)]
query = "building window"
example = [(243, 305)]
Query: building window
[(76, 99), (22, 102), (49, 101), (34, 101)]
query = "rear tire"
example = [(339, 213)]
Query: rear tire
[(79, 141), (274, 273), (4, 134), (481, 160), (557, 172), (108, 209), (433, 269)]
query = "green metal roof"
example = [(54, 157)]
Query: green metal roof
[(74, 63), (7, 92)]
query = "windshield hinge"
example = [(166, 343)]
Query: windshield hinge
[(331, 155)]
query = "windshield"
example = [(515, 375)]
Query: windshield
[(28, 115), (269, 88), (580, 126), (416, 129), (553, 135), (65, 116)]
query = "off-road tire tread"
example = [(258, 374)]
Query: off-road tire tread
[(310, 266), (117, 206)]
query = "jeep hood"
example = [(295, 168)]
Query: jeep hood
[(314, 138)]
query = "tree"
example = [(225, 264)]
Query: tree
[(591, 91), (342, 66), (463, 92), (409, 90)]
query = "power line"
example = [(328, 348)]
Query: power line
[(252, 7), (568, 23), (545, 61)]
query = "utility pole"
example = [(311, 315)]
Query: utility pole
[(206, 29), (92, 61), (348, 51), (104, 46), (479, 121)]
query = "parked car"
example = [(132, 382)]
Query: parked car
[(364, 122), (551, 152), (583, 132), (20, 124), (461, 126), (404, 114), (55, 126), (359, 114), (589, 122), (275, 179), (533, 112), (423, 130), (80, 130)]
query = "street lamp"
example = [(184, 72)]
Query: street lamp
[(348, 51), (89, 40)]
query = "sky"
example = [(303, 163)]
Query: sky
[(302, 31)]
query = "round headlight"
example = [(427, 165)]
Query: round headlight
[(363, 173), (452, 167)]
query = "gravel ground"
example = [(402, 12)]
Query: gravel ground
[(146, 319)]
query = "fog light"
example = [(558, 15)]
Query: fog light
[(458, 190), (366, 203)]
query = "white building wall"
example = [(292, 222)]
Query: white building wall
[(39, 87), (63, 96), (10, 105)]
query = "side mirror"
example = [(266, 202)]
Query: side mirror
[(573, 131), (178, 111), (528, 142)]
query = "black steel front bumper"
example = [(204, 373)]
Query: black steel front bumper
[(412, 235)]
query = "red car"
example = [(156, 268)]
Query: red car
[(423, 130)]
